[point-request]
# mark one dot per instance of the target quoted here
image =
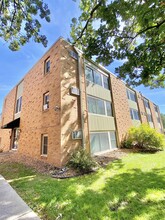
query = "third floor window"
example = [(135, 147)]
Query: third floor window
[(47, 66), (97, 78), (18, 104), (131, 95)]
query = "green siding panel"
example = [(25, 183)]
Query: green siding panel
[(98, 91), (101, 123)]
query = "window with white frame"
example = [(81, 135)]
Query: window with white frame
[(97, 78), (99, 106), (102, 141), (46, 101), (131, 95), (47, 66), (149, 117), (134, 114), (18, 105), (44, 144)]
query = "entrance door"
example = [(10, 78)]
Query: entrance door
[(15, 138)]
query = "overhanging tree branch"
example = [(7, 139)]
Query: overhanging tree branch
[(149, 28), (87, 22)]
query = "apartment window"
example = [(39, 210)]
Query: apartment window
[(99, 106), (146, 103), (102, 141), (97, 78), (89, 74), (46, 101), (156, 108), (149, 117), (105, 82), (134, 114), (109, 108), (18, 105), (131, 95), (47, 66), (44, 144)]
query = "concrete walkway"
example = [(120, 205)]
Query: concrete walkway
[(12, 207)]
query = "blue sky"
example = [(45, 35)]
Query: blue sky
[(14, 65)]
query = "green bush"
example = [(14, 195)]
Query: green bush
[(81, 161), (143, 137)]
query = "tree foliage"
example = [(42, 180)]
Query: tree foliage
[(19, 21), (145, 138), (129, 30)]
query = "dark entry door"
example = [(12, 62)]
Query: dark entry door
[(15, 138)]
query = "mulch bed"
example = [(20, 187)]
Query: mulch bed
[(60, 173)]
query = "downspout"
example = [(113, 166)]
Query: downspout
[(81, 98)]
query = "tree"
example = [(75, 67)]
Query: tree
[(129, 30), (163, 119), (18, 22)]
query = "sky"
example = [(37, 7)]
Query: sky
[(14, 65)]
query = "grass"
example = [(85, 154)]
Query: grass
[(129, 189)]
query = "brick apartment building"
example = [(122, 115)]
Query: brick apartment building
[(64, 102)]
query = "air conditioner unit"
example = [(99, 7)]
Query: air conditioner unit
[(45, 106), (77, 134), (74, 91)]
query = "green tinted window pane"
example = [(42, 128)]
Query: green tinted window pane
[(106, 82), (94, 143), (100, 107), (113, 139), (92, 105), (109, 108), (97, 78), (104, 140), (89, 74)]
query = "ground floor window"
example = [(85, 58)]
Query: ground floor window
[(102, 141), (44, 145)]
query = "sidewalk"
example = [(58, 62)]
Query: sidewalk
[(12, 207)]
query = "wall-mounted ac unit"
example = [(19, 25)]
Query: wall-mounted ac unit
[(45, 106), (77, 134), (74, 91)]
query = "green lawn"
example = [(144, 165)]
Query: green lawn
[(129, 189)]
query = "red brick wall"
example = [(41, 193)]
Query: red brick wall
[(70, 104), (121, 107), (34, 121), (7, 116)]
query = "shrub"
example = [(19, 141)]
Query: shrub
[(145, 138), (82, 161)]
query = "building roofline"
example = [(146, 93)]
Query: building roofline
[(89, 60)]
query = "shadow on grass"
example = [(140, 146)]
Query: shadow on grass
[(98, 196)]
